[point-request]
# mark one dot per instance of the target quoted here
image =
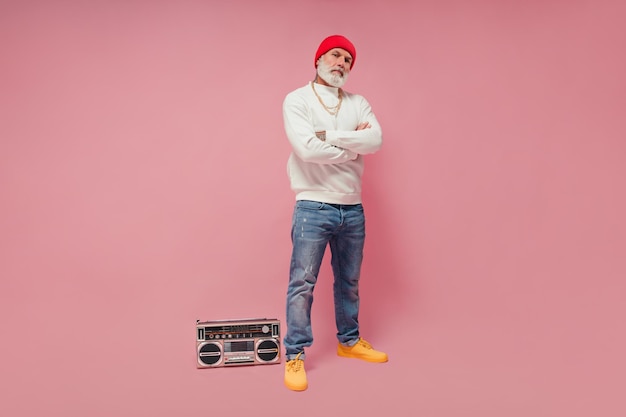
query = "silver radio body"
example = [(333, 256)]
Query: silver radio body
[(222, 343)]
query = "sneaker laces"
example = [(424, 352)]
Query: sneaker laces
[(365, 344), (295, 364)]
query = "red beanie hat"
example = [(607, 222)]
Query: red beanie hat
[(335, 41)]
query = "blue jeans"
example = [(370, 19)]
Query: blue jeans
[(314, 226)]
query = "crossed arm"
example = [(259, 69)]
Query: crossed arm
[(322, 135), (332, 146)]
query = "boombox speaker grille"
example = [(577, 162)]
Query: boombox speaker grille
[(268, 350), (210, 353)]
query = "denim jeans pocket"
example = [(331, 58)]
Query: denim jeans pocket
[(309, 205)]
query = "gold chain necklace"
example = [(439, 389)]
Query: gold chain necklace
[(331, 110)]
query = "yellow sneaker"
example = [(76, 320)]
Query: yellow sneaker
[(362, 350), (295, 375)]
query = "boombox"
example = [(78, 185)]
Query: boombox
[(237, 342)]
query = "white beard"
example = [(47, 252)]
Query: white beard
[(325, 73)]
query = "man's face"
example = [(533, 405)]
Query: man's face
[(334, 66)]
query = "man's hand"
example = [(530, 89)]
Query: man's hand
[(362, 126)]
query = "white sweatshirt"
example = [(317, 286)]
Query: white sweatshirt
[(328, 171)]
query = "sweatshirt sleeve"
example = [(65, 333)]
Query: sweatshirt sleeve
[(359, 141), (301, 135)]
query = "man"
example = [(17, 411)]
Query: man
[(330, 130)]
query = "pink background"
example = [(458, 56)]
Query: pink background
[(143, 186)]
